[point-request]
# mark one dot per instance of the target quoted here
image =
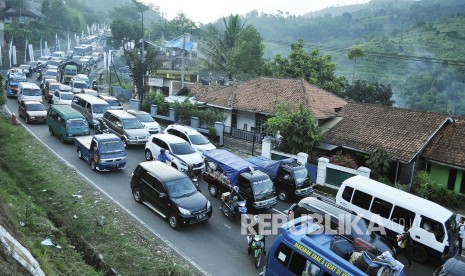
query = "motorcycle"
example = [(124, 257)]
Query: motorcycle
[(39, 76), (193, 177), (101, 127), (231, 207), (257, 247)]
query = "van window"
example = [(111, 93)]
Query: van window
[(301, 266), (402, 216), (361, 199), (283, 254), (434, 227), (381, 207), (347, 194), (31, 92), (100, 108)]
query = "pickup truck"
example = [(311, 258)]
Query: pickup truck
[(290, 177), (104, 152), (224, 170)]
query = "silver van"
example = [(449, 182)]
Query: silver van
[(126, 126), (90, 106)]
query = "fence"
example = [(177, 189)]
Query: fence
[(246, 135)]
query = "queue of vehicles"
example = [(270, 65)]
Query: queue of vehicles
[(258, 180)]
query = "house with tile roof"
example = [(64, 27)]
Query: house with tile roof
[(445, 156), (249, 104), (403, 133)]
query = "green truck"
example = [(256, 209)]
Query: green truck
[(68, 70)]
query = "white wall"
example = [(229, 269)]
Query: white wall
[(245, 117)]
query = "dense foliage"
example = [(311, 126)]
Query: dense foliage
[(365, 92)]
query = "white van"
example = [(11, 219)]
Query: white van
[(433, 228), (90, 106), (29, 91)]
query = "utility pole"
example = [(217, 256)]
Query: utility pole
[(142, 54)]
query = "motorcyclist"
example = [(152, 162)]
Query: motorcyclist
[(163, 157), (39, 73), (235, 197), (256, 231)]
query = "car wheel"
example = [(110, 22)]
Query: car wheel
[(283, 196), (27, 119), (136, 193), (173, 221), (125, 143), (148, 155), (62, 139), (93, 166), (51, 131), (213, 190), (79, 153), (418, 253)]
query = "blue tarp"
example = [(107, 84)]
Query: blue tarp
[(231, 164), (268, 166)]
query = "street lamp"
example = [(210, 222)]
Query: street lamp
[(142, 56)]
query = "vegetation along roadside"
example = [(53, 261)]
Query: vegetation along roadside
[(41, 198)]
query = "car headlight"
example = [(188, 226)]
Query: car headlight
[(32, 117), (208, 204), (183, 163), (184, 211), (131, 137)]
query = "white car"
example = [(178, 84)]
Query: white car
[(82, 77), (150, 124), (181, 153), (112, 101), (192, 136), (62, 97), (77, 85)]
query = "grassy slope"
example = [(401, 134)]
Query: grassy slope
[(35, 185)]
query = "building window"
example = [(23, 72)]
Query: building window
[(452, 178)]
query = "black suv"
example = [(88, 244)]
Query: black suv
[(325, 208), (169, 193)]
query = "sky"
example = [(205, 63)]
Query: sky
[(206, 11)]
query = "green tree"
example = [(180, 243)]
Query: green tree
[(2, 95), (374, 92), (379, 162), (312, 67), (124, 31), (354, 54), (236, 50), (299, 131)]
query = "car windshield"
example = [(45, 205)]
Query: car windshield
[(301, 175), (53, 87), (262, 186), (70, 71), (182, 148), (181, 188), (76, 123), (31, 92), (111, 146), (53, 63), (66, 96), (100, 108), (132, 123), (42, 59), (113, 102), (35, 107), (79, 85), (198, 139), (146, 118)]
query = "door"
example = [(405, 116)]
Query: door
[(284, 181)]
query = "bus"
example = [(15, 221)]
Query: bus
[(82, 50)]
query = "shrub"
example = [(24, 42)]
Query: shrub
[(424, 186), (342, 160), (156, 99)]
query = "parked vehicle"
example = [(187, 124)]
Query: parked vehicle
[(114, 103), (181, 154), (61, 96), (349, 226), (125, 126), (452, 267), (290, 177), (29, 91), (91, 107), (50, 85), (32, 111), (225, 170), (147, 120), (305, 248), (169, 193), (103, 152), (66, 123), (433, 228), (192, 136)]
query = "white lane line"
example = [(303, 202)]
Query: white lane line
[(282, 213), (158, 235), (227, 226)]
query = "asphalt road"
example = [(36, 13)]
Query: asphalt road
[(216, 247)]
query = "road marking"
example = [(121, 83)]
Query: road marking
[(158, 235), (227, 226), (282, 213)]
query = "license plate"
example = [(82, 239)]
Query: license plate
[(201, 216)]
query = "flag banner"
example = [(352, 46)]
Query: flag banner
[(31, 52), (14, 55), (69, 44), (25, 51), (1, 59), (56, 42)]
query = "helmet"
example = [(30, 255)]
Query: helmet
[(236, 189), (256, 218), (162, 151)]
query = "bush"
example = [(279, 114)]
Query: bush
[(156, 99), (342, 160), (424, 186)]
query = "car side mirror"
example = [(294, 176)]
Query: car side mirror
[(162, 195)]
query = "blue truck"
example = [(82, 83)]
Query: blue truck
[(104, 152), (12, 83), (223, 170), (290, 177)]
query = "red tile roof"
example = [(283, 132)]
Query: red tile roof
[(448, 146), (401, 132), (262, 94)]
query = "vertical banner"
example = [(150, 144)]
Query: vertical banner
[(14, 55), (46, 48), (1, 57), (56, 42), (105, 64), (25, 51), (31, 52), (69, 42), (41, 51), (10, 52)]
